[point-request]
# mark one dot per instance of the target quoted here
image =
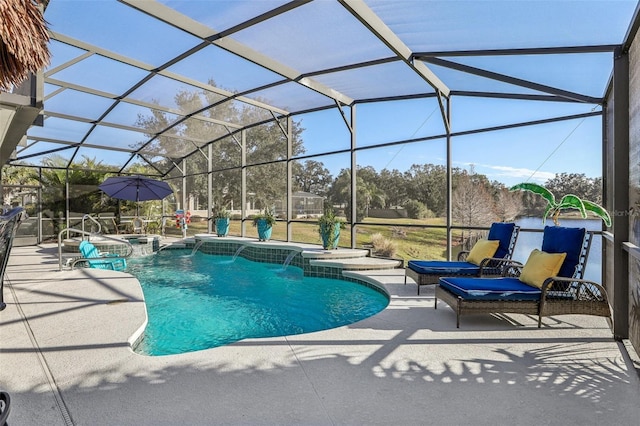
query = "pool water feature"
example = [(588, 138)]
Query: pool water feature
[(204, 301), (287, 261)]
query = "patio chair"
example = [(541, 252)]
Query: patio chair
[(101, 260), (138, 225), (117, 228), (428, 272), (549, 283)]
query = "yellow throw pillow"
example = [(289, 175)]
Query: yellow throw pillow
[(481, 250), (541, 266)]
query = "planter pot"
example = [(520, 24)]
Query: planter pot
[(326, 243), (222, 227), (264, 230)]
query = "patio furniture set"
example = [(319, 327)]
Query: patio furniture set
[(487, 281)]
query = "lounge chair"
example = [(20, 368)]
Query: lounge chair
[(544, 286), (428, 272), (101, 260)]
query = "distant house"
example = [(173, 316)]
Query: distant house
[(304, 204)]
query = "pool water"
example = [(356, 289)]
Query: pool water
[(204, 301)]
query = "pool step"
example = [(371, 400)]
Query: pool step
[(350, 259), (358, 264)]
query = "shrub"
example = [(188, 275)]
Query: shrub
[(222, 213), (417, 210), (268, 216), (383, 246)]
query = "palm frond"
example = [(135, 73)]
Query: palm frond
[(599, 211), (536, 189), (24, 41), (571, 201)]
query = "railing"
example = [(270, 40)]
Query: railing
[(89, 235), (88, 216)]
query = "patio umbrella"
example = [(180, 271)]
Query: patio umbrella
[(23, 41), (135, 188)]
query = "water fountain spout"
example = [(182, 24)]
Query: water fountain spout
[(288, 260), (196, 247), (235, 255)]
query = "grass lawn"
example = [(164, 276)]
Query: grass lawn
[(412, 240)]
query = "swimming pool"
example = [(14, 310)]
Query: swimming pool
[(202, 301)]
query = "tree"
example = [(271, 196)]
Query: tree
[(394, 187), (16, 175), (311, 176), (427, 184), (340, 189), (84, 197), (265, 144), (577, 184), (507, 205), (367, 193), (19, 175), (471, 203)]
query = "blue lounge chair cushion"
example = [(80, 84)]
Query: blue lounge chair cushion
[(503, 288), (441, 268), (560, 239), (503, 233)]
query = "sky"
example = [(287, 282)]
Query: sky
[(532, 153), (300, 40)]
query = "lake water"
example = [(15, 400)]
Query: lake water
[(527, 241)]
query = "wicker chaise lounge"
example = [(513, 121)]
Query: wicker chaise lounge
[(428, 272), (565, 293)]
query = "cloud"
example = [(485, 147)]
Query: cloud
[(508, 173), (514, 172)]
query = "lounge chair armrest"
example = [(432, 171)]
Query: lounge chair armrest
[(462, 256), (506, 267), (574, 288)]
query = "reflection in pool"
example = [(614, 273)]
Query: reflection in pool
[(201, 301)]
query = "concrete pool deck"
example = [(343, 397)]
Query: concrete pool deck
[(65, 359)]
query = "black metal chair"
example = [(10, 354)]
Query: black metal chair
[(9, 223)]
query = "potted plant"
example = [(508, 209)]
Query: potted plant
[(569, 201), (329, 226), (222, 219), (264, 222)]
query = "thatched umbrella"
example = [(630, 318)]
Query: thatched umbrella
[(23, 41)]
